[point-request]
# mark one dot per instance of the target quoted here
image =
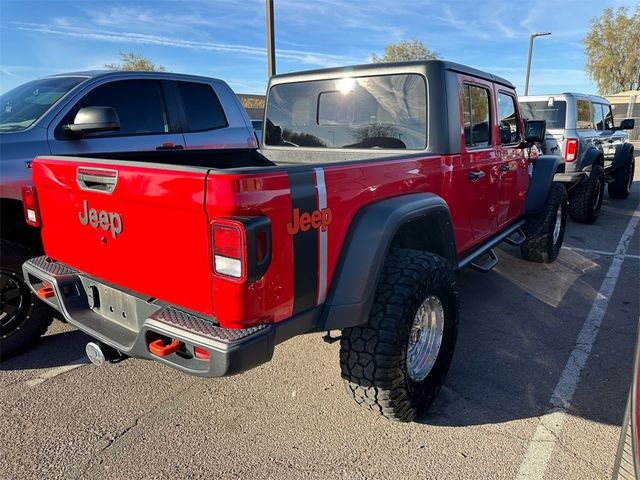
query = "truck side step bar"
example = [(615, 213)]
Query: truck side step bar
[(517, 238), (490, 244), (488, 265)]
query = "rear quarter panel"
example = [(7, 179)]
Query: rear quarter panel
[(287, 288)]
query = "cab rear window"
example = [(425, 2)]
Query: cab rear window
[(378, 112)]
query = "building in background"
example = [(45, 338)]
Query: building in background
[(627, 105)]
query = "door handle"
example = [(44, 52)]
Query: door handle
[(476, 175), (169, 146), (505, 167)]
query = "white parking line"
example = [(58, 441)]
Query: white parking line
[(546, 435), (54, 372), (600, 252)]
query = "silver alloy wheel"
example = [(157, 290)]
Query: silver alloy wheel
[(598, 193), (558, 225), (425, 338)]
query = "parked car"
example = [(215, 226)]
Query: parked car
[(580, 128), (374, 185), (94, 113), (627, 464)]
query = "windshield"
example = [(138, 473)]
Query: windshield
[(554, 114), (22, 106), (381, 112)]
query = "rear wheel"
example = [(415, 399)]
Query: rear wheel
[(585, 200), (545, 230), (623, 179), (396, 363), (23, 317)]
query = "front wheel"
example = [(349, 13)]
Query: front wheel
[(396, 363), (544, 231), (23, 317)]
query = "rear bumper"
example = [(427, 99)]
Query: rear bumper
[(76, 296)]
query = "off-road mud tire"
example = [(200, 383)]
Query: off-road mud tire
[(585, 200), (540, 245), (373, 355), (33, 317)]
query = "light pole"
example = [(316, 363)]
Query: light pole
[(271, 43), (531, 37)]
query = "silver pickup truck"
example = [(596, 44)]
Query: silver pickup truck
[(580, 128), (94, 113)]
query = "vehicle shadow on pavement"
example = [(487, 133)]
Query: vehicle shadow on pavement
[(56, 350), (520, 323)]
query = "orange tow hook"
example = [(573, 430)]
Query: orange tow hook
[(157, 347), (46, 291)]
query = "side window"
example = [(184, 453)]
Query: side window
[(608, 117), (139, 104), (583, 111), (476, 108), (508, 119), (598, 118), (201, 106)]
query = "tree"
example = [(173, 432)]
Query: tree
[(405, 51), (135, 61), (612, 50), (252, 101)]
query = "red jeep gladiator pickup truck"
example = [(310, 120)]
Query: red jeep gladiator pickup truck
[(375, 184)]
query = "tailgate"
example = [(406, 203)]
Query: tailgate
[(140, 227)]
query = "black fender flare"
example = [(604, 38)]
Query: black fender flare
[(369, 239), (623, 154), (541, 179), (591, 158)]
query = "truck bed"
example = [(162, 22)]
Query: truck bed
[(225, 159)]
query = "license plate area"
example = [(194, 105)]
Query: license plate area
[(112, 304)]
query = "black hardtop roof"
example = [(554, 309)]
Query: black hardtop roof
[(421, 66)]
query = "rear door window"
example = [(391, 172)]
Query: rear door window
[(202, 108), (477, 118), (583, 114), (598, 116), (379, 112)]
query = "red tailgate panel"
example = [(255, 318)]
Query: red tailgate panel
[(162, 250)]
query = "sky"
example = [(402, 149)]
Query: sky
[(227, 38)]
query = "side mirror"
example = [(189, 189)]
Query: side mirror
[(535, 131), (627, 124), (93, 120)]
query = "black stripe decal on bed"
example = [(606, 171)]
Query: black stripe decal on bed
[(305, 244)]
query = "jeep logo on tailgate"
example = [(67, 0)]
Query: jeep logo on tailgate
[(103, 219)]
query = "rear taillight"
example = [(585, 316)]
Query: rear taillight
[(571, 150), (241, 247), (30, 205), (229, 249)]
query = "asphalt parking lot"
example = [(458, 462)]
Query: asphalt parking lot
[(522, 338)]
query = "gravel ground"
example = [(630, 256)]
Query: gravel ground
[(64, 418)]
